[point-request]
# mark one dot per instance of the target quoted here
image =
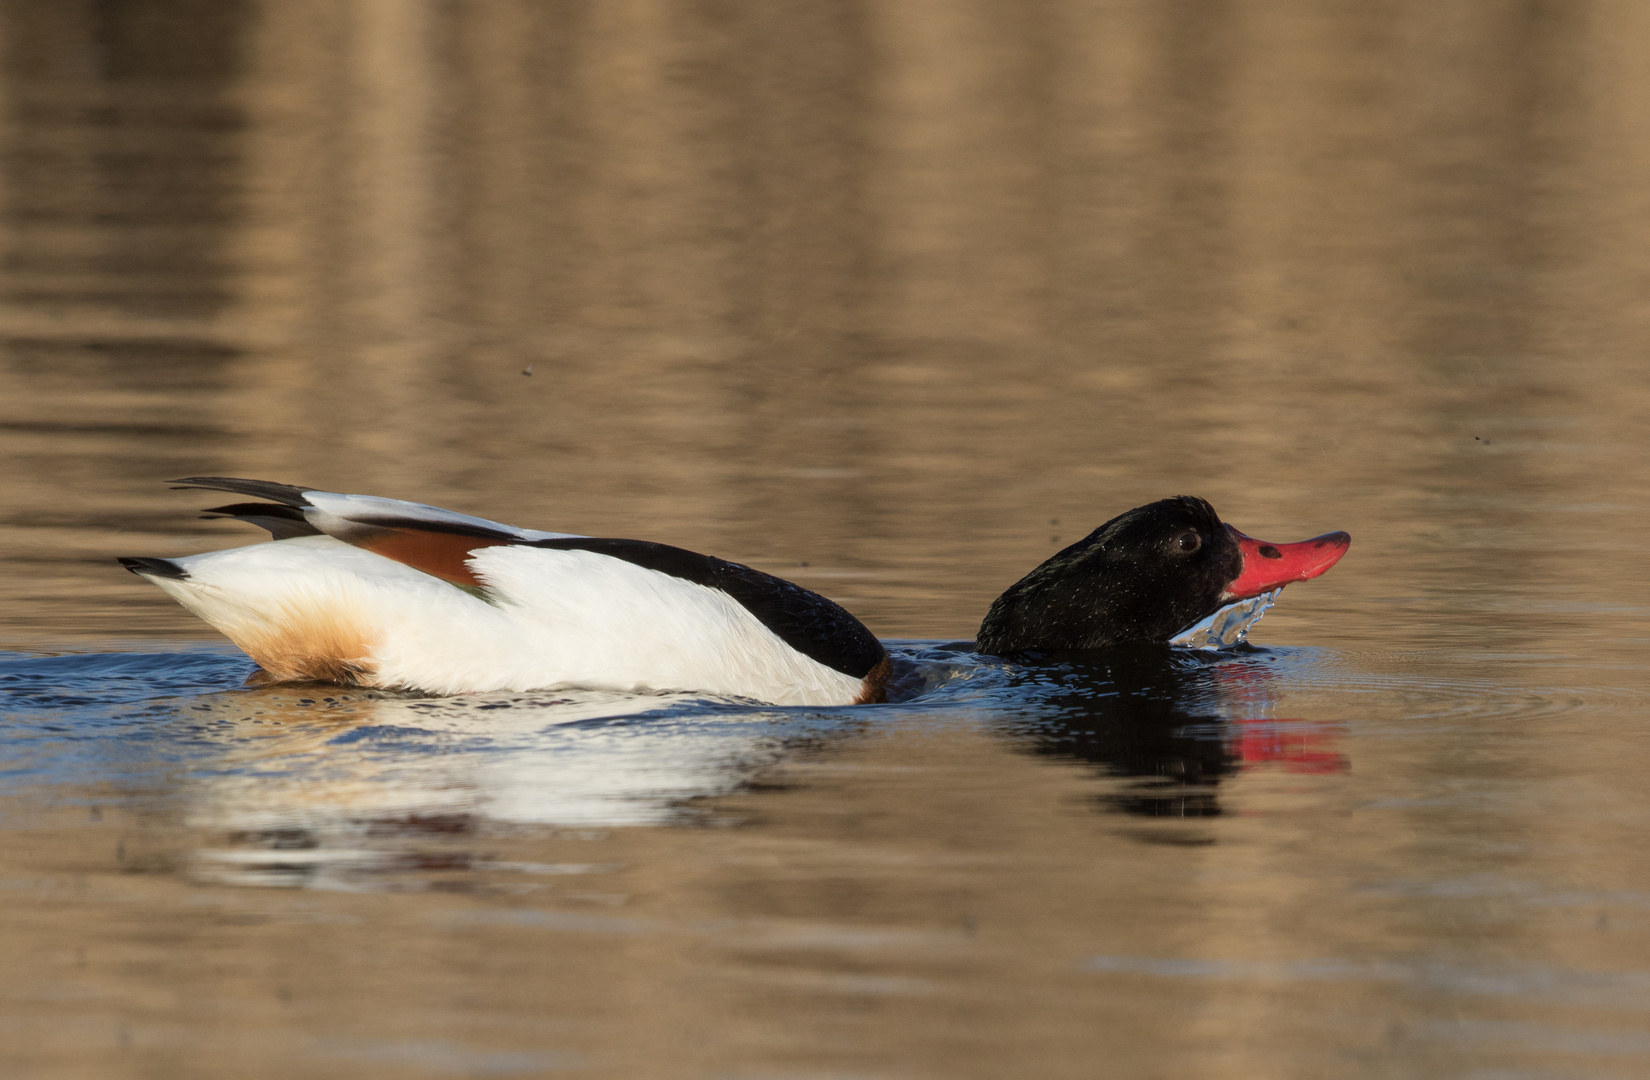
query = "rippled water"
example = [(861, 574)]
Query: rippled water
[(895, 301), (1144, 851)]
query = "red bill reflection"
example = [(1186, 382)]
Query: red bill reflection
[(1299, 746)]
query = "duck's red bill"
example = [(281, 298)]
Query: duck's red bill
[(1272, 566)]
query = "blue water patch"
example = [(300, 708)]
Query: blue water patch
[(127, 717), (181, 725), (1173, 725), (75, 680)]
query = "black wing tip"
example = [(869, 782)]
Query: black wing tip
[(281, 521), (162, 568), (280, 510), (285, 494)]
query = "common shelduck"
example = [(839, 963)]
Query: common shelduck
[(367, 591)]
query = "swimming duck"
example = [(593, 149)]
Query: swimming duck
[(368, 591)]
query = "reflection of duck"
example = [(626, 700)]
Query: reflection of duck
[(1178, 723), (308, 784), (321, 787), (312, 786), (378, 592)]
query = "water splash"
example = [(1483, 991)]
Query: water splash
[(1228, 626)]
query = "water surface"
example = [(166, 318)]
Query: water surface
[(894, 301)]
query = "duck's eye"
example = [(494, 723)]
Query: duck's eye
[(1190, 542)]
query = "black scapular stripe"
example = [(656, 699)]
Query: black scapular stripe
[(453, 528), (814, 626)]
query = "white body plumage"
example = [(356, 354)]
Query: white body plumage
[(400, 595)]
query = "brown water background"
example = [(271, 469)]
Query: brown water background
[(893, 299)]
